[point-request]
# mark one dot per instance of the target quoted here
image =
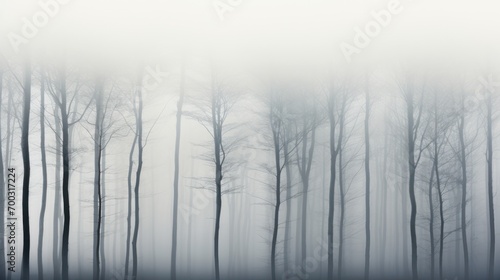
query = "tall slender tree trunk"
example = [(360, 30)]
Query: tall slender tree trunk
[(288, 229), (331, 196), (97, 180), (44, 178), (385, 185), (411, 184), (491, 208), (431, 220), (463, 202), (25, 273), (217, 134), (140, 149), (305, 171), (173, 258), (323, 210), (277, 159), (65, 181), (190, 224), (367, 180), (404, 210), (129, 204), (57, 202), (103, 214), (298, 231), (342, 202), (2, 185)]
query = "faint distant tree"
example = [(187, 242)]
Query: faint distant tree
[(305, 153), (367, 177), (180, 102), (462, 157)]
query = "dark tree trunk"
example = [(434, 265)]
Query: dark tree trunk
[(411, 184), (438, 185), (276, 207), (97, 180), (217, 135), (103, 214), (404, 210), (65, 181), (173, 258), (25, 273), (275, 124), (331, 196), (367, 185), (431, 219), (491, 208), (288, 213), (342, 196), (57, 203), (129, 204), (44, 178), (140, 148)]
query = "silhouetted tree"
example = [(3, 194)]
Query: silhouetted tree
[(25, 273)]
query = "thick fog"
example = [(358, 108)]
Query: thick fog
[(237, 139)]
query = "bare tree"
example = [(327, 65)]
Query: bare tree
[(44, 175), (304, 163), (98, 147), (367, 178), (463, 203), (277, 125), (60, 95), (333, 160), (489, 160), (138, 108), (414, 132), (173, 258), (25, 273)]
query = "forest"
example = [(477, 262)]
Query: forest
[(235, 140)]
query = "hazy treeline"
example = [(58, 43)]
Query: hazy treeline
[(199, 171)]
